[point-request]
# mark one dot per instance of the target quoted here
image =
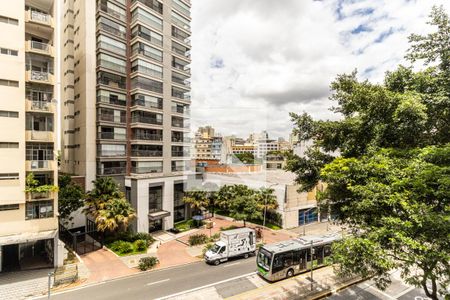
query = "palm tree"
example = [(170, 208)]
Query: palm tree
[(105, 189), (116, 215), (266, 200), (196, 199)]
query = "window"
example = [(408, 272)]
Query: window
[(142, 167), (39, 210), (146, 150), (112, 150), (147, 34), (146, 117), (9, 207), (147, 101), (146, 18), (180, 21), (181, 7), (147, 51), (39, 151), (112, 27), (146, 84), (112, 45), (9, 145), (7, 82), (153, 4), (9, 176), (147, 68), (110, 62), (39, 122), (9, 114), (9, 20), (112, 10), (111, 98), (8, 51), (155, 198)]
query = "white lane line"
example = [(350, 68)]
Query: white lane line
[(230, 265), (160, 281), (205, 286)]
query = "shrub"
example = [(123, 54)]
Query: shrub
[(141, 245), (143, 236), (214, 237), (125, 247), (146, 263), (198, 239), (115, 246)]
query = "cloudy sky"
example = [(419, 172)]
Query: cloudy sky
[(254, 61)]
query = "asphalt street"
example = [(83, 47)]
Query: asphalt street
[(161, 283)]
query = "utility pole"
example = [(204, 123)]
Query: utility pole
[(50, 274)]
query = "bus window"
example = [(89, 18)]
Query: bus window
[(297, 258), (319, 254), (287, 259), (327, 250), (277, 263)]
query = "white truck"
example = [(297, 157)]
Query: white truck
[(232, 243)]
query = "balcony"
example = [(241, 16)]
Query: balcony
[(178, 139), (148, 137), (111, 153), (111, 118), (39, 77), (145, 170), (40, 106), (39, 136), (180, 154), (40, 165), (39, 48), (112, 171), (111, 136), (111, 100), (39, 18), (146, 120), (146, 153)]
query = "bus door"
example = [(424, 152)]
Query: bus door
[(302, 259)]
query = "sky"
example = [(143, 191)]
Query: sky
[(254, 61)]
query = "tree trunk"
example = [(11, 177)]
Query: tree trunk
[(245, 224), (433, 293)]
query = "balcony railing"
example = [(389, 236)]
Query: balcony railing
[(40, 105), (177, 110), (112, 118), (180, 168), (180, 153), (147, 54), (111, 100), (111, 136), (176, 139), (39, 164), (111, 153), (112, 30), (155, 5), (40, 17), (181, 81), (146, 153), (112, 83), (143, 170), (186, 53), (139, 119), (148, 137), (181, 9), (149, 104), (111, 171), (113, 13)]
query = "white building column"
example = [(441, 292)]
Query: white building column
[(142, 205), (167, 205)]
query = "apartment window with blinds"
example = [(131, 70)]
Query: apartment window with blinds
[(9, 145), (181, 7), (180, 21), (111, 27), (146, 84), (7, 82), (9, 207), (9, 176), (7, 20), (7, 51), (147, 35), (146, 68), (39, 210), (9, 114)]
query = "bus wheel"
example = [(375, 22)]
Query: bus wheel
[(217, 262), (246, 255), (290, 273)]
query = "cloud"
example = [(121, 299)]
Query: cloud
[(254, 61)]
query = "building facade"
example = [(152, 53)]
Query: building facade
[(126, 93), (28, 143)]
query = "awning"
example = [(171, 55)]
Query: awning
[(157, 215), (27, 237)]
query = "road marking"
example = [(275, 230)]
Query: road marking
[(230, 265), (205, 286), (160, 281)]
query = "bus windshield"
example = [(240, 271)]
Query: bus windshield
[(264, 258)]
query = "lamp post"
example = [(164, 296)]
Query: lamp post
[(312, 264), (50, 274), (304, 219)]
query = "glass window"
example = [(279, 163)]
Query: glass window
[(147, 51), (111, 62), (112, 27), (112, 45), (155, 198), (181, 7), (147, 68), (147, 18), (39, 210), (180, 21)]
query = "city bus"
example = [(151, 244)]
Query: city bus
[(288, 258)]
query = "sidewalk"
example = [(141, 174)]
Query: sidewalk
[(23, 284)]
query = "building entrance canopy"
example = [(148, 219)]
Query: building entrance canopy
[(158, 215), (27, 237)]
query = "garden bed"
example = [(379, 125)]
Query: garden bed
[(129, 244)]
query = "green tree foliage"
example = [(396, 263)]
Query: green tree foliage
[(70, 197), (245, 207), (108, 206), (196, 199), (246, 158), (390, 184)]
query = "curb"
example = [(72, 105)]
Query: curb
[(333, 291)]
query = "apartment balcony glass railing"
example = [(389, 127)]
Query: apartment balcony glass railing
[(147, 51), (144, 170), (148, 137), (153, 4), (111, 153), (113, 11), (111, 27), (39, 164), (180, 153), (181, 7), (148, 35), (40, 17), (181, 94), (157, 103), (181, 139), (147, 120), (146, 153), (111, 170), (41, 105), (40, 75), (147, 84), (112, 118), (111, 100), (111, 136)]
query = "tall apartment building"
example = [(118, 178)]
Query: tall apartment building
[(28, 220), (126, 98)]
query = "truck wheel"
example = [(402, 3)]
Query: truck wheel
[(217, 262), (246, 255), (290, 273)]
